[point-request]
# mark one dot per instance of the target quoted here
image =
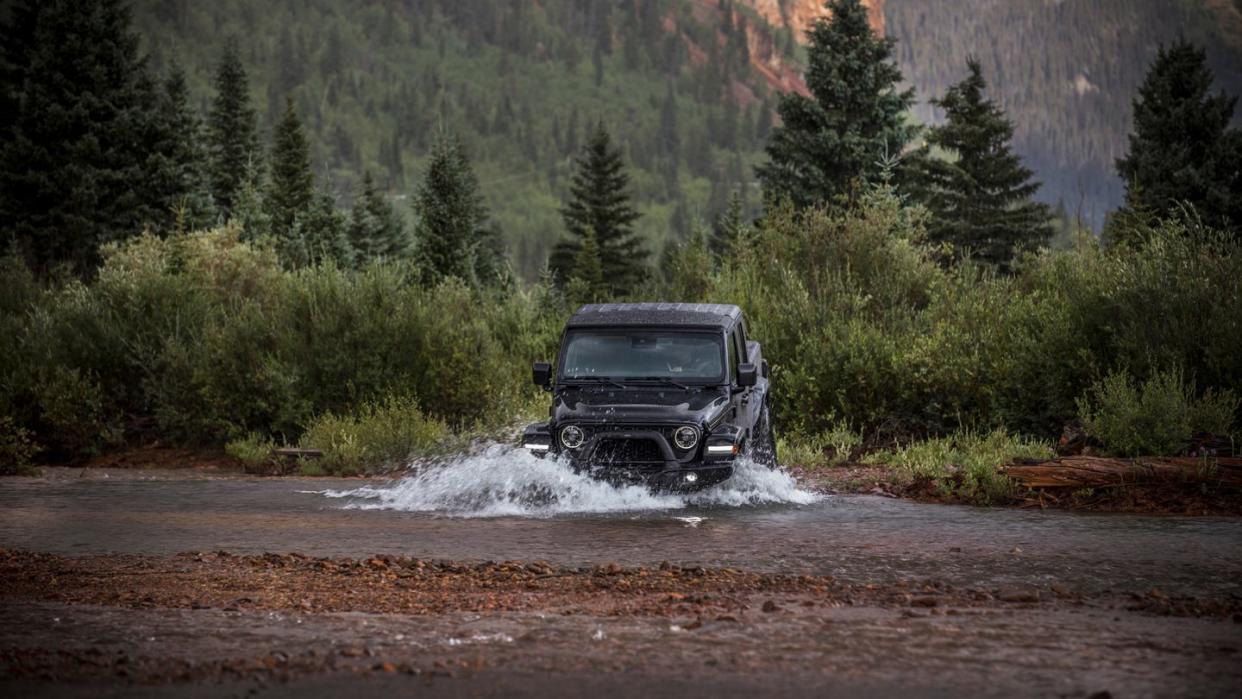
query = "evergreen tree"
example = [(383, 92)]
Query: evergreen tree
[(250, 210), (980, 200), (600, 202), (319, 234), (234, 141), (375, 230), (1182, 150), (452, 236), (185, 182), (81, 157), (292, 185), (730, 228), (855, 114), (587, 284)]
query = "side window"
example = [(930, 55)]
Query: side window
[(739, 334)]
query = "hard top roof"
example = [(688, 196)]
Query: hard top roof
[(702, 315)]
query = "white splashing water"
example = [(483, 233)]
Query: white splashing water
[(508, 481)]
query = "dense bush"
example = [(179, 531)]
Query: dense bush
[(1156, 416), (387, 433), (859, 321), (17, 452), (203, 339)]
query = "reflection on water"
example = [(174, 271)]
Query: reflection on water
[(534, 510)]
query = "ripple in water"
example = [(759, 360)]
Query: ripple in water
[(509, 481)]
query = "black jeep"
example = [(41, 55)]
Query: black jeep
[(667, 394)]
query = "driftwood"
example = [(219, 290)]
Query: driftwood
[(1095, 472)]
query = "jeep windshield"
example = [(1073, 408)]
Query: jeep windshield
[(634, 356)]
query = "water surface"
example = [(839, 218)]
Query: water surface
[(507, 505)]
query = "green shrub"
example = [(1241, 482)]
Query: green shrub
[(825, 449), (72, 407), (253, 450), (1154, 417), (966, 464), (208, 339), (17, 450), (381, 435)]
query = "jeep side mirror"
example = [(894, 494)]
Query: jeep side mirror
[(747, 374), (541, 373)]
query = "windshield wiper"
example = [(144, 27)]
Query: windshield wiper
[(662, 379)]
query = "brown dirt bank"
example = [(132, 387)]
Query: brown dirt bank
[(1170, 495), (320, 626), (396, 584)]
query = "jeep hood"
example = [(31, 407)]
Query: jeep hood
[(639, 405)]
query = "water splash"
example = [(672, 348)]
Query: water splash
[(508, 481)]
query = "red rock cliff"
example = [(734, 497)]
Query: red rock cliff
[(801, 14)]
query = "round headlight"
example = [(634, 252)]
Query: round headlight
[(686, 437), (571, 437)]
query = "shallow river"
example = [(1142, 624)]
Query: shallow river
[(506, 505)]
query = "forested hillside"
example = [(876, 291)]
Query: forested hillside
[(1065, 72), (520, 82)]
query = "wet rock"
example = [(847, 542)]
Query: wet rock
[(1060, 590), (924, 601), (769, 606)]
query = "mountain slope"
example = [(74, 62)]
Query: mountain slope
[(1065, 71), (520, 81)]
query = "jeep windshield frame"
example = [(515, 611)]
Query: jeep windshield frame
[(641, 355)]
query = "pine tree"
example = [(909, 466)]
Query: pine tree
[(234, 140), (854, 117), (587, 284), (81, 132), (319, 233), (452, 236), (291, 188), (1182, 150), (185, 184), (375, 230), (250, 210), (600, 202), (980, 200), (730, 229)]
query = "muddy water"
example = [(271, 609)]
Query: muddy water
[(505, 505)]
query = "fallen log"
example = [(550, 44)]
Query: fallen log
[(1094, 471)]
